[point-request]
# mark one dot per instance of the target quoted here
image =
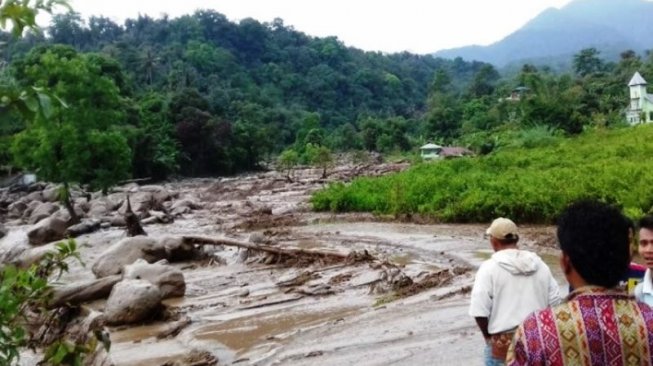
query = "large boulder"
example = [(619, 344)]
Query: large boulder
[(125, 251), (99, 208), (167, 278), (104, 205), (48, 230), (128, 250), (132, 301), (84, 227), (50, 194), (42, 211), (183, 206), (35, 196), (159, 193), (31, 206), (16, 209), (65, 215), (141, 203)]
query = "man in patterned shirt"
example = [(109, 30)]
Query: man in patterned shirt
[(598, 324)]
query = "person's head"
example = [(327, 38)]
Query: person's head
[(593, 237), (503, 233), (646, 239)]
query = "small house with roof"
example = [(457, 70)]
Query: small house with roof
[(516, 94), (432, 151), (640, 109)]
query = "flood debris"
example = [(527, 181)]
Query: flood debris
[(244, 257)]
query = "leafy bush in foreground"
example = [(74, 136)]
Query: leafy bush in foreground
[(528, 185)]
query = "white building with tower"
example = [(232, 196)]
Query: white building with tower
[(640, 109)]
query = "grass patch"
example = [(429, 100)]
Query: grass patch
[(528, 184)]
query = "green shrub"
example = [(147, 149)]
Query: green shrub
[(25, 292), (528, 184)]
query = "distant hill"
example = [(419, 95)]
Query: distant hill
[(555, 35)]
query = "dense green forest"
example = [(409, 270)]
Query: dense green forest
[(201, 95)]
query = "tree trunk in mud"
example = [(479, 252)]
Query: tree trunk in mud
[(65, 198), (76, 294), (134, 227)]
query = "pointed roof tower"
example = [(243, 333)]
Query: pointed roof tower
[(637, 80)]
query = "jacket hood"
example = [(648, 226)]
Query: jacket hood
[(517, 262)]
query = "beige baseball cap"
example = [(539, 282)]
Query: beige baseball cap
[(502, 228)]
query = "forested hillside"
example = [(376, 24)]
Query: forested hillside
[(201, 95)]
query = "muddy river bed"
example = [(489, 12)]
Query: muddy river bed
[(242, 308)]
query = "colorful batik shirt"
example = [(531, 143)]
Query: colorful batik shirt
[(595, 326)]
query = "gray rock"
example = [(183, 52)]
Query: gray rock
[(141, 203), (98, 208), (51, 194), (132, 301), (3, 231), (128, 250), (124, 252), (47, 230), (35, 196), (84, 227), (183, 206), (167, 278), (15, 210), (42, 211), (31, 206), (159, 193)]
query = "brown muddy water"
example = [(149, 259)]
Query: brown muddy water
[(270, 327), (241, 312)]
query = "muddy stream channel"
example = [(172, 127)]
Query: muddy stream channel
[(399, 298)]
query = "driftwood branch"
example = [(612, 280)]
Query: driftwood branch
[(291, 252), (136, 180), (79, 293)]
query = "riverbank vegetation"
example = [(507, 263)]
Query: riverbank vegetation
[(530, 180)]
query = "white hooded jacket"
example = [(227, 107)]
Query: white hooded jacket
[(510, 285)]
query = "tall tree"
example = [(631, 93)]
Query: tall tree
[(588, 62), (81, 143)]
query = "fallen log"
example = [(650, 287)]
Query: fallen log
[(136, 180), (291, 252), (79, 293)]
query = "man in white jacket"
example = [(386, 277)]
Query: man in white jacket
[(509, 286)]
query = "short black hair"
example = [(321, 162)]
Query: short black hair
[(595, 237), (509, 239), (646, 222)]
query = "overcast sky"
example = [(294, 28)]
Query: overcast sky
[(419, 26)]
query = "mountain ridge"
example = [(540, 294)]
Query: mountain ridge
[(611, 27)]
